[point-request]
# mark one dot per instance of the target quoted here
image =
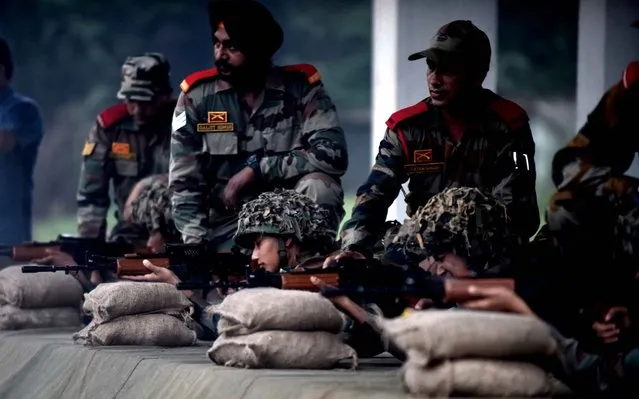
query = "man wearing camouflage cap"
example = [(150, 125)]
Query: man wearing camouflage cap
[(247, 127), (128, 142), (462, 135)]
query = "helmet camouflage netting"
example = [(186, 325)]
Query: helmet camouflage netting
[(284, 213), (152, 207), (461, 220)]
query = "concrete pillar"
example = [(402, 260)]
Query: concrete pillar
[(607, 44), (400, 28)]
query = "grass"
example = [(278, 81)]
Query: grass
[(48, 229)]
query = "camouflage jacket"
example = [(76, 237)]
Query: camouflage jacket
[(120, 153), (293, 131), (498, 151)]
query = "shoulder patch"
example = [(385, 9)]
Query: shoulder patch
[(511, 113), (406, 113), (195, 77), (309, 70), (630, 74), (112, 115)]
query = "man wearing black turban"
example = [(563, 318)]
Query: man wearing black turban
[(247, 127)]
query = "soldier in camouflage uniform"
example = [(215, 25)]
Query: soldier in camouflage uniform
[(462, 135), (459, 226), (285, 229), (149, 207), (247, 127), (128, 142)]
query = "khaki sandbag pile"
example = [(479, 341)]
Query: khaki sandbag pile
[(272, 328), (134, 313), (469, 353), (38, 300)]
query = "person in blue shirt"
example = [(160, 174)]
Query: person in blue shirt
[(20, 136)]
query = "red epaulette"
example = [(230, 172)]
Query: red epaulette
[(406, 113), (630, 74), (511, 113), (195, 77), (309, 70), (112, 115)]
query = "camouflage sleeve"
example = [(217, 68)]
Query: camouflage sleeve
[(322, 137), (375, 196), (93, 189), (185, 177), (515, 180)]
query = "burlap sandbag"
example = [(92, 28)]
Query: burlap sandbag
[(448, 334), (111, 300), (282, 350), (144, 330), (470, 377), (38, 290), (261, 309), (13, 318)]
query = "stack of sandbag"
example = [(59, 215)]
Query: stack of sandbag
[(272, 328), (38, 300), (470, 353), (134, 313)]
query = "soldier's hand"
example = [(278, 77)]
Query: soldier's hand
[(496, 299), (55, 258), (157, 274), (331, 260), (610, 329), (237, 183)]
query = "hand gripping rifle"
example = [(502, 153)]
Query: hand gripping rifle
[(77, 247), (185, 260)]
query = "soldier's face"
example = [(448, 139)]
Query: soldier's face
[(267, 256), (228, 58), (446, 83), (143, 111)]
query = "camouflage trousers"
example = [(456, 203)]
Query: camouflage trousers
[(320, 187)]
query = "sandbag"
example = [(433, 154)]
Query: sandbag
[(14, 318), (111, 300), (282, 350), (433, 335), (38, 290), (475, 377), (144, 330), (261, 309)]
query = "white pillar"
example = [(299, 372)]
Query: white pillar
[(607, 43), (403, 27)]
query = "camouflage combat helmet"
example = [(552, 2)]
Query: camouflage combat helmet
[(284, 213), (460, 220), (152, 207), (145, 77)]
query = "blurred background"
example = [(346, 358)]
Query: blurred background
[(68, 55)]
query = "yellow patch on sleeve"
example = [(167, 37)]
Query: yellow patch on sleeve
[(88, 149)]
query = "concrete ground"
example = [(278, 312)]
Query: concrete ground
[(46, 364)]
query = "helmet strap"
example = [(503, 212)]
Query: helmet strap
[(282, 252)]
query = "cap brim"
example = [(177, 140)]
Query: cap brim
[(428, 53)]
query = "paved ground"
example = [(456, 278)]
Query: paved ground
[(46, 364)]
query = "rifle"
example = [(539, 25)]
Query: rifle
[(77, 247), (183, 259), (366, 280)]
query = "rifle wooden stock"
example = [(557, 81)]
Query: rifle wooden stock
[(29, 252), (302, 281), (457, 288), (134, 267)]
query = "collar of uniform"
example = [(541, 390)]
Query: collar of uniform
[(274, 81)]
